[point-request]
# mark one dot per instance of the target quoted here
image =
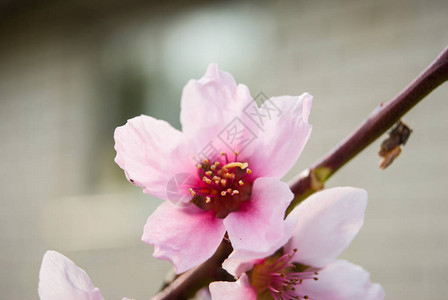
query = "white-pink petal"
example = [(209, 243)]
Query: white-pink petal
[(327, 223), (60, 278), (210, 104), (203, 294), (151, 152), (239, 290), (237, 267), (342, 280), (258, 229), (284, 131), (185, 236)]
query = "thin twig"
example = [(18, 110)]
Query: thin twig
[(373, 127)]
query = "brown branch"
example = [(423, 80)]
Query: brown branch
[(187, 284), (376, 124), (312, 179)]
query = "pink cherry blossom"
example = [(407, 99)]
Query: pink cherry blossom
[(221, 173), (306, 267), (60, 278)]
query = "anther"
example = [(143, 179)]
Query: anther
[(192, 192), (213, 167), (206, 161), (236, 164), (248, 171), (223, 182), (199, 166), (209, 173), (229, 190), (240, 182), (223, 193), (208, 199), (235, 192)]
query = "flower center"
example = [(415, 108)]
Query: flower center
[(224, 185), (276, 277)]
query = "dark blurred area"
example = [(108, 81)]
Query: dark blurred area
[(72, 71)]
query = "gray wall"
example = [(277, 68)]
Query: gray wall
[(71, 72)]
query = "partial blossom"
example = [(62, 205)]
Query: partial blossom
[(306, 266), (60, 278), (221, 174)]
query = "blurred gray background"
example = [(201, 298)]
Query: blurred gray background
[(71, 71)]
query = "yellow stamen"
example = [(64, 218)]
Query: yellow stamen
[(230, 175), (236, 164)]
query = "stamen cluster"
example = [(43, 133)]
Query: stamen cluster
[(278, 277), (223, 185)]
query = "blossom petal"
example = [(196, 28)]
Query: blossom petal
[(203, 294), (258, 228), (283, 135), (151, 152), (210, 104), (342, 280), (236, 267), (185, 236), (327, 223), (239, 290), (60, 278)]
